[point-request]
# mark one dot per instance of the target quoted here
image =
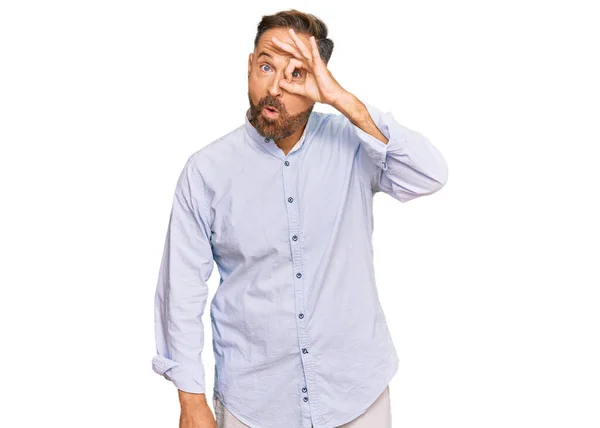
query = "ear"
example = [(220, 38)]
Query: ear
[(250, 63)]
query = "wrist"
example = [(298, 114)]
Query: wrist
[(191, 398), (351, 107), (343, 99)]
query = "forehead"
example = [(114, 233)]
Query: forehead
[(265, 44)]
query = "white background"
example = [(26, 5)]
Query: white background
[(490, 287)]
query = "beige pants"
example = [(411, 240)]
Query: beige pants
[(379, 415)]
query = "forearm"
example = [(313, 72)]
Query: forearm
[(195, 411), (408, 165), (189, 400), (357, 113)]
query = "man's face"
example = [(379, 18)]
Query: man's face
[(264, 74)]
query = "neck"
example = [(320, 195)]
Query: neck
[(286, 144)]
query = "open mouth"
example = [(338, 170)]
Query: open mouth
[(270, 112)]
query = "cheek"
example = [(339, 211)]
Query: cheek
[(258, 78), (257, 86), (296, 105), (253, 91)]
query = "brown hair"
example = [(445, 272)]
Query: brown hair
[(301, 22)]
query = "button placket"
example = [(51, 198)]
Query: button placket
[(290, 187)]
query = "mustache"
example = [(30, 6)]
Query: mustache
[(271, 104)]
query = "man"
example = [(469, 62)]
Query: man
[(283, 206)]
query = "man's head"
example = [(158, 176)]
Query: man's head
[(266, 66)]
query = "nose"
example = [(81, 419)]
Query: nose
[(274, 88)]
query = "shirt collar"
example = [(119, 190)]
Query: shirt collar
[(268, 144)]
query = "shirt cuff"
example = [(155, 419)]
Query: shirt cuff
[(184, 379)]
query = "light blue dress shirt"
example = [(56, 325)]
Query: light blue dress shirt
[(299, 335)]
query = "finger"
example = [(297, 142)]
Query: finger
[(293, 65), (300, 44), (285, 46), (315, 49), (294, 88)]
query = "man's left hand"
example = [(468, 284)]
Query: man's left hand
[(318, 84)]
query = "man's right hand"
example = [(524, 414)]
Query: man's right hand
[(195, 412)]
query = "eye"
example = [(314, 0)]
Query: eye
[(265, 65), (296, 71)]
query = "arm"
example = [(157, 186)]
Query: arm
[(182, 291), (407, 165)]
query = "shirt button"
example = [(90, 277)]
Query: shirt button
[(290, 199), (304, 351), (295, 238), (301, 316), (305, 399), (304, 389), (287, 163), (298, 275), (266, 140)]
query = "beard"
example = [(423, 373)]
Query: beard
[(279, 127)]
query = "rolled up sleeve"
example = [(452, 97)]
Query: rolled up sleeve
[(408, 166), (182, 290)]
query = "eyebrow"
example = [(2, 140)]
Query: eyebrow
[(264, 53)]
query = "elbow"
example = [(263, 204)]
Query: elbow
[(433, 175), (442, 180), (436, 180), (439, 177)]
